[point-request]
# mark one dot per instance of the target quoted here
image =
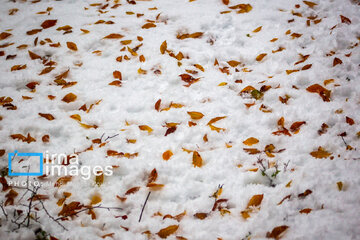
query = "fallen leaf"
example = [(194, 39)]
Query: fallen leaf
[(251, 141), (197, 160), (200, 216), (72, 46), (163, 47), (277, 232), (153, 176), (10, 197), (310, 4), (145, 128), (345, 19), (132, 190), (323, 92), (18, 67), (62, 181), (47, 116), (165, 232), (70, 97), (167, 155), (33, 56), (260, 57), (48, 23), (350, 121), (337, 61), (295, 127), (4, 35), (233, 63), (305, 210), (95, 199), (196, 115), (255, 201), (148, 25)]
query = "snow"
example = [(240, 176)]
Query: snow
[(229, 36)]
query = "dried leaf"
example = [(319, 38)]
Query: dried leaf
[(323, 92), (305, 210), (337, 61), (165, 232), (117, 75), (157, 105), (255, 201), (95, 199), (145, 128), (4, 35), (197, 160), (163, 47), (310, 4), (113, 36), (153, 176), (18, 67), (200, 216), (167, 155), (70, 209), (233, 63), (99, 179), (72, 46), (295, 127), (277, 232), (251, 141), (10, 197), (320, 153), (345, 19), (33, 56), (132, 190), (70, 97), (62, 181), (196, 115), (252, 151), (260, 57), (148, 25), (48, 116), (48, 23)]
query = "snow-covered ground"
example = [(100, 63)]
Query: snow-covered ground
[(259, 97)]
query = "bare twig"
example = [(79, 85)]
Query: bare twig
[(142, 210), (3, 210), (87, 208), (109, 137), (51, 217)]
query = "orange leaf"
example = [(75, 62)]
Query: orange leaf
[(323, 92), (132, 190), (251, 141), (72, 46), (155, 186), (196, 115), (114, 36), (4, 35), (295, 127), (163, 47), (255, 200), (95, 199), (117, 75), (70, 97), (116, 83), (320, 153), (200, 215), (310, 4), (260, 57), (215, 120), (148, 25), (145, 128), (18, 67), (233, 63), (197, 160), (167, 155), (337, 61), (62, 181), (258, 29), (165, 232), (251, 151), (33, 56), (157, 105), (226, 2)]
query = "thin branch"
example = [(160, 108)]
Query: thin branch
[(51, 217), (87, 208), (142, 210), (110, 137), (3, 210)]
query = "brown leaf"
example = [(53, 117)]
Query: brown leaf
[(72, 46), (306, 67), (47, 116), (45, 138), (165, 232), (10, 197), (34, 31), (320, 153), (99, 179), (187, 35), (277, 232), (310, 4), (148, 25), (163, 47), (197, 160), (3, 180), (252, 151), (70, 97), (62, 181), (157, 105), (153, 176), (258, 29), (323, 92), (33, 56), (350, 121), (145, 128), (233, 63), (114, 36), (305, 210), (48, 23), (304, 194), (170, 130), (115, 83), (295, 127), (46, 70), (132, 190), (200, 216), (70, 209), (226, 2), (32, 85), (4, 35), (345, 19), (18, 67), (337, 61)]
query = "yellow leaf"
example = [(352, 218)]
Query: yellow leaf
[(163, 47), (255, 201), (113, 36), (125, 42), (155, 186), (224, 211), (198, 66), (99, 179), (215, 120), (195, 115), (95, 199), (320, 153), (213, 128), (131, 51), (222, 84), (288, 184), (165, 232), (251, 141), (142, 71), (145, 128), (197, 160), (310, 4), (86, 126), (233, 63)]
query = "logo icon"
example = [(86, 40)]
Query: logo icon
[(29, 164)]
